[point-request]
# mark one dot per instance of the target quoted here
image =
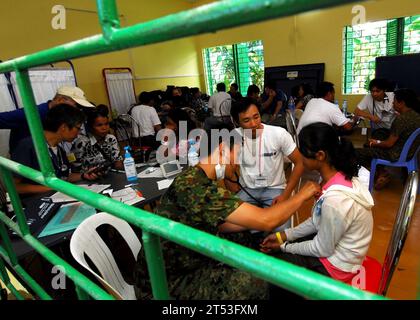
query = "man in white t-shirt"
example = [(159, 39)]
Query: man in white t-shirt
[(264, 147), (220, 104), (148, 120), (377, 107), (322, 109)]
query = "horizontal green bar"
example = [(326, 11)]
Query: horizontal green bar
[(78, 278), (207, 18), (296, 279)]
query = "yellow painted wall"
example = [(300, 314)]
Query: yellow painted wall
[(311, 37), (25, 27), (314, 37)]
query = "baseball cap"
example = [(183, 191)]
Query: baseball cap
[(76, 94)]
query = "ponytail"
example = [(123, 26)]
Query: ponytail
[(340, 151)]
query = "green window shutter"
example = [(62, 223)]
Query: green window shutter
[(348, 59), (395, 36)]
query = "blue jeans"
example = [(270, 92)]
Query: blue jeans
[(266, 196)]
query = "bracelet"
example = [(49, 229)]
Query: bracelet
[(279, 239)]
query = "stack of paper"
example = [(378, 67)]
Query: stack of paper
[(61, 197), (128, 196)]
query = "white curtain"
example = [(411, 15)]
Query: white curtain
[(120, 90), (45, 83), (6, 104)]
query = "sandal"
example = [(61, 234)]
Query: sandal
[(382, 181)]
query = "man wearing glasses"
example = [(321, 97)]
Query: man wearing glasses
[(377, 107)]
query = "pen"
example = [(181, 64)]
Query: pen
[(119, 171)]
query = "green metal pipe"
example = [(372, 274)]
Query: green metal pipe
[(15, 200), (207, 18), (91, 288), (108, 17), (7, 244), (6, 280), (155, 266), (286, 275), (30, 282), (81, 294), (34, 123)]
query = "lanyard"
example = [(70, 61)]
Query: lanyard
[(260, 154), (57, 160)]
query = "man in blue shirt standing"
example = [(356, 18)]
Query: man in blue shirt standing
[(16, 119)]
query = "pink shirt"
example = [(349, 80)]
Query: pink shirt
[(334, 272)]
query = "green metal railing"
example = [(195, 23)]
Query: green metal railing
[(208, 18)]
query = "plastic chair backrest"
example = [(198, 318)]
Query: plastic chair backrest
[(291, 126), (86, 240), (407, 146), (224, 108), (127, 128), (400, 230)]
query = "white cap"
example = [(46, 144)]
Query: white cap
[(76, 94)]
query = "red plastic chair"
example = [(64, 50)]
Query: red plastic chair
[(373, 276)]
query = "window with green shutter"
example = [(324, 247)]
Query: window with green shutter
[(242, 63), (364, 42)]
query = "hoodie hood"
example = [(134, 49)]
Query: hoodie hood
[(359, 193)]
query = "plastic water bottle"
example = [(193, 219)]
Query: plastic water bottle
[(129, 166), (344, 107), (192, 153), (291, 105), (336, 103)]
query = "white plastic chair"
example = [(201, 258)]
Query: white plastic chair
[(86, 240)]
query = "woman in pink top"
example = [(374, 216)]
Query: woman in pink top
[(335, 239)]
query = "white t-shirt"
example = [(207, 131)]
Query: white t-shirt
[(267, 160), (218, 99), (383, 109), (147, 118), (320, 110)]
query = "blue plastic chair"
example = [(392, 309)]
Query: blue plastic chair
[(403, 161)]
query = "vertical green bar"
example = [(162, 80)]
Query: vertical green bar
[(34, 122), (14, 198), (156, 266), (7, 244), (209, 73), (108, 16), (3, 273)]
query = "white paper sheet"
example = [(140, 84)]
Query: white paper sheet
[(156, 173), (164, 184), (61, 197), (128, 196)]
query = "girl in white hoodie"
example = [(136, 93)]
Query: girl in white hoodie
[(335, 239)]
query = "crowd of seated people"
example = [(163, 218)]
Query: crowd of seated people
[(243, 196)]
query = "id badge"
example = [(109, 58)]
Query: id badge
[(261, 181), (71, 157)]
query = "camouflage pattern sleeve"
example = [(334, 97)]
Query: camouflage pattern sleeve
[(195, 200)]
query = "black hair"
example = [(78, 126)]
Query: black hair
[(242, 105), (221, 87), (145, 97), (178, 115), (381, 84), (271, 85), (409, 97), (235, 85), (339, 151), (234, 136), (194, 90), (63, 114), (323, 89), (253, 88), (100, 111)]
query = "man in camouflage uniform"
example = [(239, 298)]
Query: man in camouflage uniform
[(197, 201)]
